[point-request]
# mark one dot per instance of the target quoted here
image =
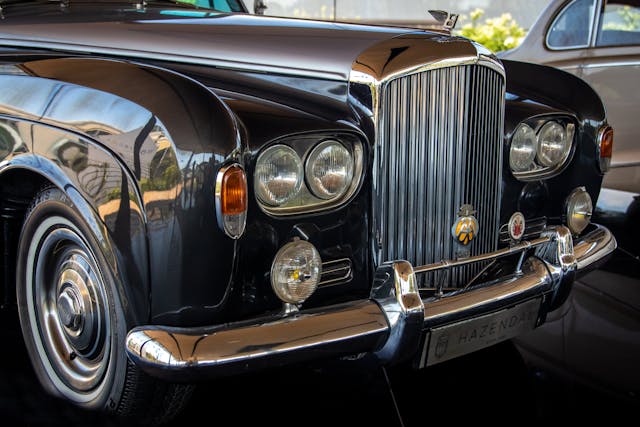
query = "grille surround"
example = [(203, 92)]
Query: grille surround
[(440, 137)]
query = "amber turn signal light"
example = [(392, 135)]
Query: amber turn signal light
[(605, 147), (231, 200), (234, 191)]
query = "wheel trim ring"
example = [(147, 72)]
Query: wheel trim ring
[(66, 388)]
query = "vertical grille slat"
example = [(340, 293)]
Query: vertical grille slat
[(439, 146)]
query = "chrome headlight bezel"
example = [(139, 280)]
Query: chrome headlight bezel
[(305, 201), (543, 168)]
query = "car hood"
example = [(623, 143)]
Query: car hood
[(236, 41)]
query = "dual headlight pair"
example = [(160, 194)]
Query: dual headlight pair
[(314, 174), (536, 153)]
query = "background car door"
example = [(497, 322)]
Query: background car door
[(612, 68)]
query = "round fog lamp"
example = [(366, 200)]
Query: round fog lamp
[(579, 210), (295, 271)]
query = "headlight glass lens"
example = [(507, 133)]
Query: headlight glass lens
[(553, 144), (295, 271), (579, 210), (523, 149), (278, 175), (329, 170)]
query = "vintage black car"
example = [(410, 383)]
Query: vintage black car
[(189, 193)]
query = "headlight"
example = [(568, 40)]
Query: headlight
[(541, 147), (278, 175), (579, 210), (523, 149), (308, 173), (329, 170), (295, 271), (553, 144)]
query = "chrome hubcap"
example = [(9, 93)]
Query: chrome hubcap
[(71, 309)]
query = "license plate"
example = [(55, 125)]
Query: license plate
[(457, 339)]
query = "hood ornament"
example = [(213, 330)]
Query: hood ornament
[(446, 19)]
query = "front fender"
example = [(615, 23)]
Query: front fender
[(172, 135), (537, 90), (554, 87)]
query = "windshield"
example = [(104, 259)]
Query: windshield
[(218, 5)]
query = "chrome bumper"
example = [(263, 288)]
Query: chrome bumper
[(394, 324)]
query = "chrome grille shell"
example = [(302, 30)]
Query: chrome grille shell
[(438, 146)]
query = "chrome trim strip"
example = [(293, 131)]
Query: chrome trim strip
[(336, 266), (446, 264), (595, 24), (479, 59), (624, 164), (612, 64)]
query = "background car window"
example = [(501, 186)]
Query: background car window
[(572, 27), (619, 24)]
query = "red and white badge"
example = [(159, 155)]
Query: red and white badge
[(516, 226)]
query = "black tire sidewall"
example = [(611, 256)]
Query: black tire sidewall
[(50, 203)]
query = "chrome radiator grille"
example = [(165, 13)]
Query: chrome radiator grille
[(439, 146)]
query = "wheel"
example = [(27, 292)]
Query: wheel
[(72, 318)]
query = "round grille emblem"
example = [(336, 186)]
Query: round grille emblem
[(465, 229), (516, 226)]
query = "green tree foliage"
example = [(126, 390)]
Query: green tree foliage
[(497, 34), (628, 19)]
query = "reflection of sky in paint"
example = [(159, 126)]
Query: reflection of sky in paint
[(188, 13), (615, 200)]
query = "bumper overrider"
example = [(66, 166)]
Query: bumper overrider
[(396, 323)]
